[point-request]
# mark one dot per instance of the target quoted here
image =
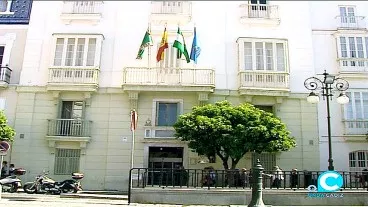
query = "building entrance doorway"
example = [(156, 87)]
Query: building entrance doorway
[(161, 162)]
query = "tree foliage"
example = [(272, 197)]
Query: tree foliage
[(6, 132), (232, 131)]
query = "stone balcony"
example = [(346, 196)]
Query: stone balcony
[(259, 14), (71, 78), (264, 83), (168, 79), (69, 130), (5, 74), (171, 12), (85, 11), (351, 22), (356, 130)]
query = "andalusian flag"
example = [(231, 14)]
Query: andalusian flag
[(163, 45), (180, 45), (147, 41)]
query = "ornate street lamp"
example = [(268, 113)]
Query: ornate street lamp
[(326, 87)]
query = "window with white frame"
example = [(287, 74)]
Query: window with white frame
[(347, 14), (263, 55), (170, 57), (358, 160), (357, 108), (66, 161), (354, 48), (167, 112), (5, 6), (83, 51)]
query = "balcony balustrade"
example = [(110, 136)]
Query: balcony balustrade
[(351, 22), (171, 11), (260, 13), (175, 77), (353, 65), (256, 82), (82, 7), (356, 127), (73, 77), (69, 128), (82, 11)]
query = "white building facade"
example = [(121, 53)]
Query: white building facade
[(341, 48), (80, 79)]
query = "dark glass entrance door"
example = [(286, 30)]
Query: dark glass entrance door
[(162, 161)]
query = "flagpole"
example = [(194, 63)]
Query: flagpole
[(149, 47), (194, 64)]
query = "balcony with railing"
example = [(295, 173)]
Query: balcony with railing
[(82, 11), (73, 79), (353, 67), (77, 130), (264, 83), (262, 14), (168, 79), (171, 12), (351, 22), (5, 73)]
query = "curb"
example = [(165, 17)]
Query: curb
[(94, 196)]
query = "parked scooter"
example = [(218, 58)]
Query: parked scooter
[(44, 184), (12, 183)]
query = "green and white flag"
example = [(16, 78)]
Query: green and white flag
[(180, 45), (147, 41)]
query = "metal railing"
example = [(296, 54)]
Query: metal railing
[(69, 127), (200, 178), (263, 11), (5, 74), (73, 75), (171, 7), (169, 76), (356, 127), (264, 79), (351, 22), (82, 7)]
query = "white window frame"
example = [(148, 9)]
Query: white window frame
[(358, 161), (348, 20), (8, 7), (97, 58), (7, 42), (354, 107), (241, 61), (154, 108), (348, 63)]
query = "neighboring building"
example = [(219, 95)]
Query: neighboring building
[(80, 79), (14, 19), (341, 48)]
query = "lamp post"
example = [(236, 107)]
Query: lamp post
[(326, 87)]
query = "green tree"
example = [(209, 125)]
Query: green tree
[(6, 132), (232, 131)]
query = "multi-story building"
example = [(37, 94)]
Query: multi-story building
[(341, 48), (80, 79), (14, 20)]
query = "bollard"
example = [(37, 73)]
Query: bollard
[(257, 173)]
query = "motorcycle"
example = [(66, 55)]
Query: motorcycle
[(12, 183), (44, 184)]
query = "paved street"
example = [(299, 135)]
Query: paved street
[(39, 200)]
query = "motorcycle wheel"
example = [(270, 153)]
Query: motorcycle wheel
[(29, 189), (13, 188)]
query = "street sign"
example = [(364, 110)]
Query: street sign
[(4, 147)]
